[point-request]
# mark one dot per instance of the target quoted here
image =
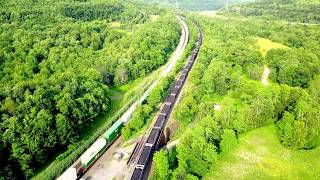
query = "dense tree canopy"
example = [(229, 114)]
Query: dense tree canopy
[(288, 10), (58, 61)]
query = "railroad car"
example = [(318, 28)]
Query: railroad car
[(113, 132), (170, 99), (160, 121), (145, 156), (153, 137), (166, 109), (185, 72), (182, 76), (175, 91), (93, 153), (192, 56), (137, 174), (188, 66), (178, 84)]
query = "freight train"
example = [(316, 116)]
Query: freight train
[(99, 146), (93, 153), (153, 139)]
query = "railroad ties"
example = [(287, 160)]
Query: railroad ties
[(153, 140)]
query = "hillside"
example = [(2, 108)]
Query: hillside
[(288, 10), (61, 64), (200, 5), (232, 125)]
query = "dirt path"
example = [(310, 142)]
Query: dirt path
[(265, 75)]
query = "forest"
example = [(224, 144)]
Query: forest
[(59, 60), (289, 10), (191, 5), (253, 89), (231, 100)]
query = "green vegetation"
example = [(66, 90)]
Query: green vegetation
[(266, 45), (146, 111), (260, 155), (227, 74), (192, 5), (59, 62), (300, 11)]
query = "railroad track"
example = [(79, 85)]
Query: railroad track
[(149, 143), (85, 166)]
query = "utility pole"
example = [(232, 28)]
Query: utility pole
[(226, 5)]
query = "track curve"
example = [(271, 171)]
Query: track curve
[(150, 143)]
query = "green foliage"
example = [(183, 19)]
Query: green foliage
[(228, 142), (197, 151), (260, 155), (186, 110), (229, 94), (199, 5), (220, 77), (58, 60), (161, 166), (288, 10), (292, 67), (298, 128), (143, 113)]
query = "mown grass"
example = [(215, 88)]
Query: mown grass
[(260, 155), (266, 44)]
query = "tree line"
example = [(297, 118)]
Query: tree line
[(288, 10)]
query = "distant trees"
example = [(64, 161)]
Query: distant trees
[(288, 10)]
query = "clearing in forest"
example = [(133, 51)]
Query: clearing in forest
[(266, 44), (259, 155)]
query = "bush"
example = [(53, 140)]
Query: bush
[(229, 141)]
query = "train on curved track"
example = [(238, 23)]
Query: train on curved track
[(99, 147), (153, 139)]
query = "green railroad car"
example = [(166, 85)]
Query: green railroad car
[(113, 131)]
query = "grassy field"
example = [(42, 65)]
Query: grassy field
[(266, 44), (260, 155)]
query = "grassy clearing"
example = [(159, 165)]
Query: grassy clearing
[(266, 44), (260, 155), (115, 24), (154, 17)]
